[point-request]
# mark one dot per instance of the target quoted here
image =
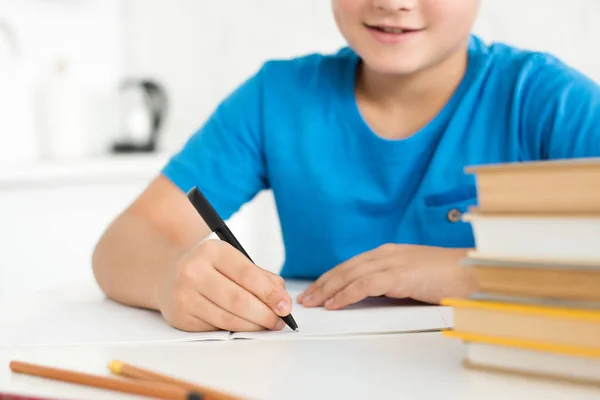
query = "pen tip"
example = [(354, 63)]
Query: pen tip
[(297, 330)]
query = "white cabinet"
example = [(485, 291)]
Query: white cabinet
[(52, 216)]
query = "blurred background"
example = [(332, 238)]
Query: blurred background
[(95, 95)]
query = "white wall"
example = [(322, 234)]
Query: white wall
[(568, 29), (203, 49), (83, 34)]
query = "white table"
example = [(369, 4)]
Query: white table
[(402, 366)]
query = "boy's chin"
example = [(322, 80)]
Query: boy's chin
[(400, 67)]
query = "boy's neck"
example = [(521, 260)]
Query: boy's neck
[(421, 95), (433, 82)]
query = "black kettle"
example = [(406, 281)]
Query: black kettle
[(143, 107)]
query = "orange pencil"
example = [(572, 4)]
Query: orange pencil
[(122, 369), (151, 389)]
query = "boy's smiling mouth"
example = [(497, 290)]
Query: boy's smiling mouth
[(390, 33)]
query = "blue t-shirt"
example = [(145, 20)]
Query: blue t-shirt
[(340, 189)]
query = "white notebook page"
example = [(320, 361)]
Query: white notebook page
[(104, 322), (371, 316)]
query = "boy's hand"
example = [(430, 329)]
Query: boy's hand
[(215, 287), (399, 271)]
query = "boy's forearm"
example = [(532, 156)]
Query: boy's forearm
[(131, 261)]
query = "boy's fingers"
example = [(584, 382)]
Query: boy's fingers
[(242, 271), (326, 290), (307, 293), (222, 319), (190, 323), (340, 280), (376, 284), (363, 257), (277, 279), (238, 301)]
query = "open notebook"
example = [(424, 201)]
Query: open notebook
[(105, 322)]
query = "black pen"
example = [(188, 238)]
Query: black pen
[(218, 226)]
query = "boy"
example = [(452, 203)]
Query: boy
[(364, 151)]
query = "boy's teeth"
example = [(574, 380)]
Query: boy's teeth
[(392, 30)]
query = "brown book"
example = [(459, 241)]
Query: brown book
[(569, 185), (548, 325), (541, 279)]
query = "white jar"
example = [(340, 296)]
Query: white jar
[(17, 102), (64, 114)]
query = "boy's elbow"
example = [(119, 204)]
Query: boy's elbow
[(100, 265)]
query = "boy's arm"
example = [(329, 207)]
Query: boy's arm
[(560, 118), (151, 255), (133, 255), (223, 159)]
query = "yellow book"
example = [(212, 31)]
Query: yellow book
[(574, 351), (550, 325)]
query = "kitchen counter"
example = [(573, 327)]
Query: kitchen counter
[(111, 168)]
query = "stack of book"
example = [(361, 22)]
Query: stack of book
[(537, 259)]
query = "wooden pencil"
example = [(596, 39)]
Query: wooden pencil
[(122, 369), (13, 396), (151, 389)]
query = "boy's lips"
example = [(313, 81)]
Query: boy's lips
[(392, 34)]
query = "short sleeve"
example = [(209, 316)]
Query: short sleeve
[(561, 112), (224, 158)]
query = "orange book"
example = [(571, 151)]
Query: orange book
[(543, 279), (549, 325)]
